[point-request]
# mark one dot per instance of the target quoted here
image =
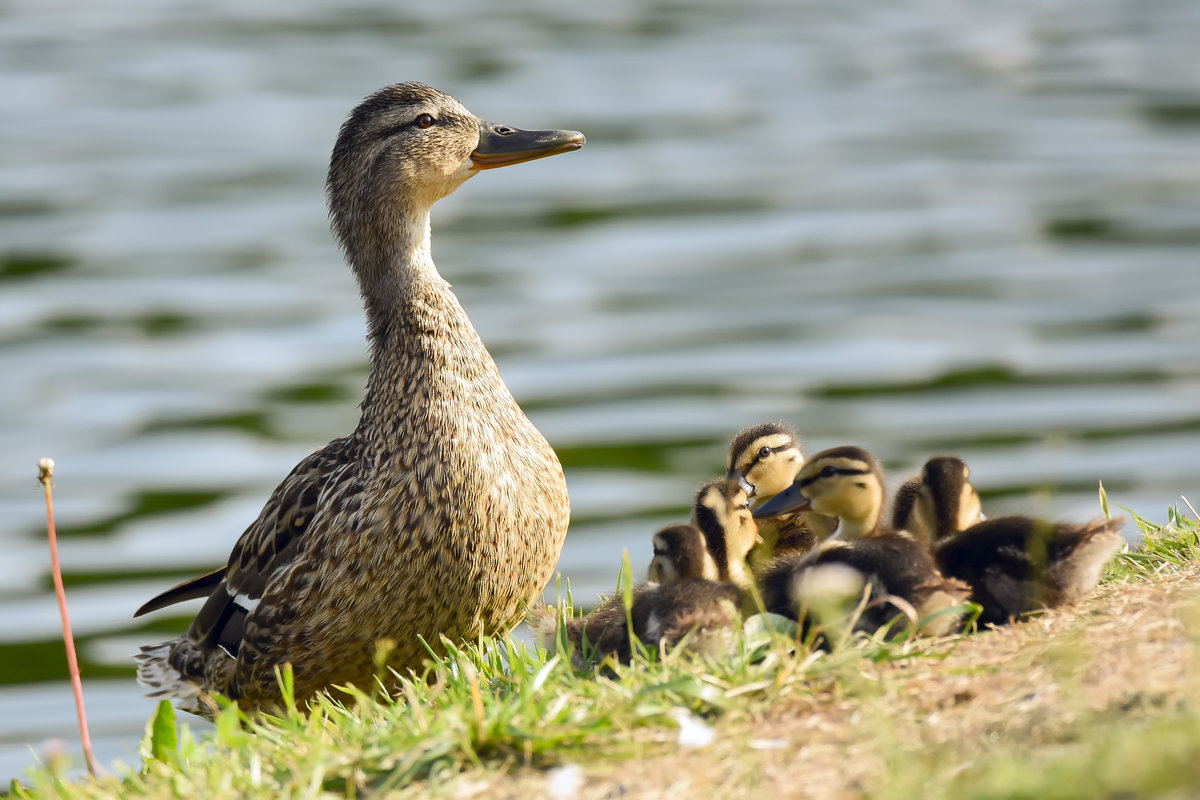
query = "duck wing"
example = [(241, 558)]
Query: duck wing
[(269, 546), (188, 590)]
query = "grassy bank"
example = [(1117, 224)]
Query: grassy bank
[(1098, 700)]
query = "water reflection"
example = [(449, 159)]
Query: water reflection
[(908, 227)]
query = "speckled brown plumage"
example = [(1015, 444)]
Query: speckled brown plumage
[(444, 512)]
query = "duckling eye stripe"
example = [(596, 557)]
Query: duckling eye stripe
[(759, 457), (836, 471)]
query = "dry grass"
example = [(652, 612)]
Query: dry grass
[(937, 724)]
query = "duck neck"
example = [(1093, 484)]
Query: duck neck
[(422, 343), (820, 525), (393, 263), (857, 527), (737, 573)]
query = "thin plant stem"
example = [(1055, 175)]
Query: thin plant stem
[(1190, 508), (46, 476)]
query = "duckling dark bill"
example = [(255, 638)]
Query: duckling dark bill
[(789, 501)]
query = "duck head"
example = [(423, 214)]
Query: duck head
[(404, 148), (680, 554), (939, 502), (764, 459), (722, 513), (843, 482)]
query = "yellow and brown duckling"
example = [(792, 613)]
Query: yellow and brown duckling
[(1014, 564), (714, 545), (444, 512), (722, 513), (695, 589), (937, 503), (847, 483), (681, 553), (764, 460)]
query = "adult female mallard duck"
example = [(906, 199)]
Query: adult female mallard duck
[(764, 460), (444, 512), (1014, 564), (696, 583), (847, 483)]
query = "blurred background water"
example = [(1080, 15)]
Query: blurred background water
[(917, 226)]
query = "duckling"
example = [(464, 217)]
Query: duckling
[(722, 513), (663, 615), (443, 513), (847, 483), (939, 502), (1014, 564), (681, 553), (1017, 564), (764, 460), (697, 581), (714, 545)]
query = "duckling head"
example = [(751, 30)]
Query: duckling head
[(680, 554), (403, 149), (722, 513), (952, 503), (764, 459), (939, 502), (843, 482)]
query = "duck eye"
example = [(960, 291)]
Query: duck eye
[(764, 451), (829, 472), (425, 121)]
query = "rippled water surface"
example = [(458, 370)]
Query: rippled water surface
[(910, 226)]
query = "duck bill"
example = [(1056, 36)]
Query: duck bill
[(500, 145), (788, 501), (743, 484)]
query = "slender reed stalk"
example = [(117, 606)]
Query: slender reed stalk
[(46, 476)]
